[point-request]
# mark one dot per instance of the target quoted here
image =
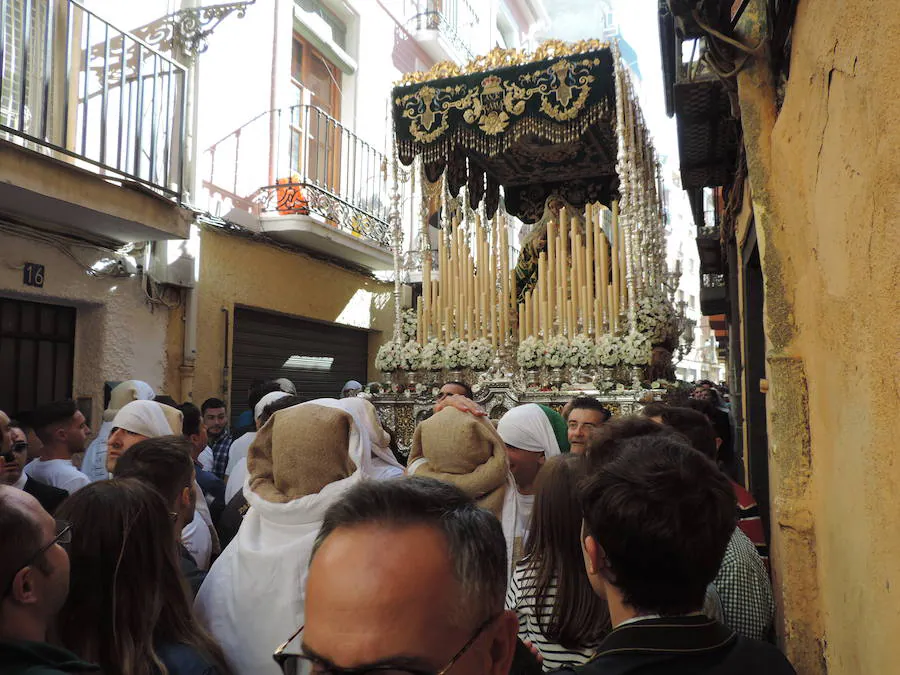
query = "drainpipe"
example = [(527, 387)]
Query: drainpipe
[(189, 349), (225, 367)]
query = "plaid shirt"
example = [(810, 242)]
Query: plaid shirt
[(744, 588), (220, 447)]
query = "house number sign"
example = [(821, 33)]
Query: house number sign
[(33, 275)]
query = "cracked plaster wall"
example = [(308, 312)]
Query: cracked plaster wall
[(825, 198), (117, 337)]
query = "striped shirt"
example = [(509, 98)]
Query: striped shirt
[(521, 598)]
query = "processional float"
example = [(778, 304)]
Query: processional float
[(555, 140)]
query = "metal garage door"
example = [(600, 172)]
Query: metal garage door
[(37, 349), (317, 357)]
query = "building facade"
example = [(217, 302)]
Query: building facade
[(203, 192), (785, 114)]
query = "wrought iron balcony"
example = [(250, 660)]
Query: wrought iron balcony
[(452, 20), (709, 248), (301, 161), (75, 87)]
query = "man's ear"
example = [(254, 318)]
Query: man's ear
[(718, 442), (503, 643), (22, 588)]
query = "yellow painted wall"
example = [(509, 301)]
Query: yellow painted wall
[(238, 271), (826, 194)]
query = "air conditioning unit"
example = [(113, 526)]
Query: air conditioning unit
[(179, 272)]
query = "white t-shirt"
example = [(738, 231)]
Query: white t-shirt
[(205, 459), (238, 451), (236, 479), (197, 540), (524, 507), (59, 473)]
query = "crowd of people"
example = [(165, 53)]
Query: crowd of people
[(303, 541)]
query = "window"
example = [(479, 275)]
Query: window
[(338, 29), (315, 129), (692, 301)]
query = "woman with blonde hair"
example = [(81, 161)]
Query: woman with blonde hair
[(558, 610), (128, 608)]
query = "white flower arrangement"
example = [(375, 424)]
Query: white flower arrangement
[(656, 318), (410, 356), (388, 357), (636, 350), (607, 352), (480, 354), (558, 352), (582, 352), (409, 324), (456, 354), (432, 356), (531, 353)]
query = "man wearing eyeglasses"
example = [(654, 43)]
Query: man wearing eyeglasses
[(34, 577), (407, 577)]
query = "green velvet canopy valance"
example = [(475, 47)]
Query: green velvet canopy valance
[(538, 129)]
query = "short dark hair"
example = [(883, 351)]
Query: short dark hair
[(50, 415), (663, 515), (257, 391), (191, 419), (278, 404), (474, 537), (212, 403), (589, 403), (21, 535), (163, 462), (166, 400), (693, 425), (464, 385), (605, 443)]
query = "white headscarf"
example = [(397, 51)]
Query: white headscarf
[(384, 464), (145, 418), (94, 463), (266, 400), (525, 427)]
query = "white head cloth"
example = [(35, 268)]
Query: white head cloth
[(266, 400), (364, 413), (526, 427), (145, 418)]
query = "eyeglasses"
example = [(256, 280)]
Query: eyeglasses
[(63, 536), (295, 664)]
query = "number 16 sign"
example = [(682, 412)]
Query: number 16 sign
[(33, 275)]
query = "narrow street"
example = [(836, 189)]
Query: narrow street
[(532, 249)]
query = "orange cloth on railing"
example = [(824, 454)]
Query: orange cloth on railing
[(291, 199)]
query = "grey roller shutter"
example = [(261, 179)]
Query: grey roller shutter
[(317, 357)]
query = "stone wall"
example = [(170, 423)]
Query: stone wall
[(823, 171)]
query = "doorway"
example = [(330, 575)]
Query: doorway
[(37, 353), (755, 375)]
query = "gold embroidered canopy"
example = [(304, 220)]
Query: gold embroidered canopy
[(540, 128)]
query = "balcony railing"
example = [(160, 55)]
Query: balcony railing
[(454, 19), (75, 87), (300, 160)]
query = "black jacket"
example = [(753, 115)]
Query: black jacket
[(18, 657), (192, 574), (48, 496), (688, 645)]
